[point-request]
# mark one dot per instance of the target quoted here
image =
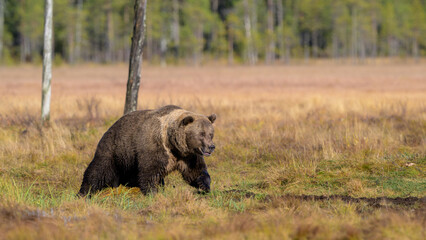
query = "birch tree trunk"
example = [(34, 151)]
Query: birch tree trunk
[(215, 5), (175, 28), (374, 36), (335, 39), (77, 54), (198, 50), (214, 28), (247, 27), (280, 32), (1, 28), (47, 62), (254, 29), (110, 33), (135, 62), (287, 51), (71, 48), (415, 49), (270, 51), (354, 41), (230, 44), (306, 46), (163, 49), (361, 46), (23, 48), (315, 43)]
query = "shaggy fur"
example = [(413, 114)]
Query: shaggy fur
[(142, 147)]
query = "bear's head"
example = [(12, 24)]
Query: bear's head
[(198, 131)]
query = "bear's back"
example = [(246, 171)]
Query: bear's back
[(134, 132)]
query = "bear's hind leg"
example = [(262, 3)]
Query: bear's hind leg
[(97, 177), (151, 185)]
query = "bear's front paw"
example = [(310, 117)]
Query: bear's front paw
[(203, 181)]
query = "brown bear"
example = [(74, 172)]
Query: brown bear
[(142, 147)]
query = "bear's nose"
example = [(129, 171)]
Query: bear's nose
[(212, 147)]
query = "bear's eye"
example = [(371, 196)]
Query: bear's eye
[(203, 134)]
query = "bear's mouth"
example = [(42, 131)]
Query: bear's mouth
[(207, 154), (203, 152)]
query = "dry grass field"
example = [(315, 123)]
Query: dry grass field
[(303, 152)]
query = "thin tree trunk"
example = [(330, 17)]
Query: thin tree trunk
[(230, 45), (247, 27), (70, 49), (361, 46), (374, 36), (96, 46), (270, 52), (23, 48), (335, 46), (214, 28), (315, 43), (415, 49), (175, 28), (287, 51), (254, 29), (354, 42), (79, 19), (1, 28), (306, 46), (334, 36), (214, 5), (163, 49), (294, 27), (110, 34), (393, 46), (33, 48), (396, 46), (47, 62), (335, 39), (390, 51), (280, 32), (198, 50), (135, 62)]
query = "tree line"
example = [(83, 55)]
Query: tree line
[(196, 31)]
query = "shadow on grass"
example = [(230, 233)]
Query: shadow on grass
[(374, 202), (377, 202)]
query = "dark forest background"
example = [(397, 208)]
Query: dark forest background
[(197, 31)]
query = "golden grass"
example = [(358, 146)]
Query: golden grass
[(297, 147)]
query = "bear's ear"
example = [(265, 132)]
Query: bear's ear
[(187, 120), (212, 118)]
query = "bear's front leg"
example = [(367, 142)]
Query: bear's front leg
[(195, 174), (202, 182)]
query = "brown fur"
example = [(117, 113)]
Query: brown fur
[(142, 147)]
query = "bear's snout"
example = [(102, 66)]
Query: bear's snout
[(208, 150)]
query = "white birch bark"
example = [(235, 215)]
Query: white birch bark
[(47, 61)]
